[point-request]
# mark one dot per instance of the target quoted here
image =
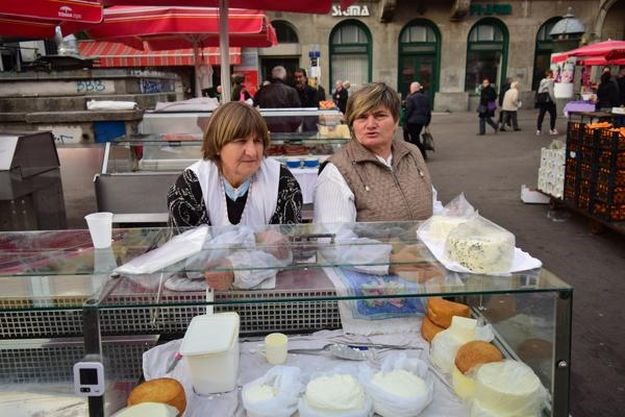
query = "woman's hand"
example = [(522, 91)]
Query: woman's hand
[(274, 243), (220, 280)]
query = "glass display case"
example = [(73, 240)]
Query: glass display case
[(366, 281), (133, 164)]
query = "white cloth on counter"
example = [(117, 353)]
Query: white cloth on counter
[(193, 104), (253, 365), (111, 105), (34, 400)]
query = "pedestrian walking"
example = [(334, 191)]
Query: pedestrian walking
[(546, 102), (488, 105), (277, 95), (510, 105), (340, 96), (502, 92), (418, 115)]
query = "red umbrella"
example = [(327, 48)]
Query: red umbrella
[(37, 19), (165, 28), (300, 6), (609, 50)]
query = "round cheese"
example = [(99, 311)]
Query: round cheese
[(335, 393), (400, 382), (260, 392)]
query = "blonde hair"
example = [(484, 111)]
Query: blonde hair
[(368, 98), (233, 120)]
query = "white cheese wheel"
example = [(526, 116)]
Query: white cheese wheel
[(440, 226), (260, 392), (508, 388), (445, 344), (464, 385), (148, 410), (335, 393), (400, 382)]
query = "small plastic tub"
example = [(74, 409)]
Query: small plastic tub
[(211, 349)]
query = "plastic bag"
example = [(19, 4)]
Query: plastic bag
[(388, 404), (457, 211), (305, 410), (481, 246), (287, 385)]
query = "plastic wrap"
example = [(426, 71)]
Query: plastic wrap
[(481, 246), (389, 404), (445, 344), (456, 212), (507, 389), (341, 410), (285, 381)]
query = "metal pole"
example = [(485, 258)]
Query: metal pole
[(93, 346), (562, 367), (224, 50)]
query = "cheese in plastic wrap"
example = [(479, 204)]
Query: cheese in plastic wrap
[(481, 246)]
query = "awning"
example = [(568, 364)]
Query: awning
[(112, 54)]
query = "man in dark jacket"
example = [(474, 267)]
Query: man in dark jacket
[(307, 95), (279, 95), (418, 115), (340, 96)]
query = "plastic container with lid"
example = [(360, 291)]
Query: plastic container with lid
[(211, 349)]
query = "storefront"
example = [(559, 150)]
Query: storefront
[(448, 47)]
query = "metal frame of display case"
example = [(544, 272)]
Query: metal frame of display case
[(66, 256)]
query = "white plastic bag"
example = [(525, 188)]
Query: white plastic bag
[(305, 410), (388, 404), (481, 246), (456, 212), (287, 385)]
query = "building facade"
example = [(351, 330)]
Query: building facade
[(448, 46)]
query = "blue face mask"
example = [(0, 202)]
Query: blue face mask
[(234, 193)]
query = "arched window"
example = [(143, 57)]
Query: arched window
[(285, 32), (419, 57), (487, 53), (544, 48), (350, 54)]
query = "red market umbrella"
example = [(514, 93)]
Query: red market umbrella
[(609, 50), (166, 28), (298, 6), (37, 19)]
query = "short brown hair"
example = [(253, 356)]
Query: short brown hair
[(232, 121), (368, 98)]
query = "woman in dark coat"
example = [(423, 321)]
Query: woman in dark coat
[(487, 106)]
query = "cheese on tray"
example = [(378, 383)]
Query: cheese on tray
[(481, 246), (148, 410), (440, 226), (261, 392)]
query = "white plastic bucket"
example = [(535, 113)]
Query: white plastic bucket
[(211, 349)]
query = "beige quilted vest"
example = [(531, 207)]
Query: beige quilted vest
[(382, 194)]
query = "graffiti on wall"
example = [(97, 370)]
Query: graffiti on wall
[(65, 135), (91, 86)]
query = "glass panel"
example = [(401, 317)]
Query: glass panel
[(417, 49), (485, 33), (284, 32), (541, 64), (354, 68), (480, 65), (352, 49), (60, 270), (418, 33), (417, 68)]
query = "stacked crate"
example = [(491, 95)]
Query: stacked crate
[(595, 171)]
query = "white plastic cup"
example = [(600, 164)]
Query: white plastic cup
[(276, 348), (100, 228)]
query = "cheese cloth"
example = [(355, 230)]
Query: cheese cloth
[(253, 365)]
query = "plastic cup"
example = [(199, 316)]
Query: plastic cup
[(276, 348), (100, 228)]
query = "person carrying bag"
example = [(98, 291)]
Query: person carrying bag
[(428, 139)]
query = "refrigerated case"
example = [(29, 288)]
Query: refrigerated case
[(55, 287)]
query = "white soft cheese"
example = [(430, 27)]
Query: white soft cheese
[(260, 392), (400, 382), (335, 393), (148, 410), (481, 247), (445, 344)]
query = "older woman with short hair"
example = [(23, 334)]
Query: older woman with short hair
[(234, 183)]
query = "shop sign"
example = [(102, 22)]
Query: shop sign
[(351, 11), (491, 9)]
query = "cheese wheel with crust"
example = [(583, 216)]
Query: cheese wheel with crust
[(440, 311), (160, 390), (429, 329)]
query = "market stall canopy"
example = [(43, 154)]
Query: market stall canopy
[(37, 19), (608, 50), (299, 6), (164, 28), (115, 55)]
